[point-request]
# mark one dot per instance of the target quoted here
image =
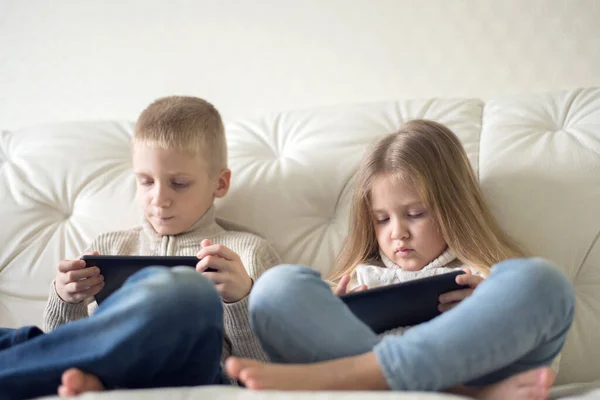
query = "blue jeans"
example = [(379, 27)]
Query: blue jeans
[(164, 327), (517, 319)]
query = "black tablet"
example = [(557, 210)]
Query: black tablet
[(402, 304), (116, 269)]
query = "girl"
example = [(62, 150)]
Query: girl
[(417, 211)]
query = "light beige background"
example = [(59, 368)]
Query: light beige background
[(74, 60)]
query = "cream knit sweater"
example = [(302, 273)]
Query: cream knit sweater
[(256, 254), (385, 272)]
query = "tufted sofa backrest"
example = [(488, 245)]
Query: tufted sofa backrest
[(537, 158)]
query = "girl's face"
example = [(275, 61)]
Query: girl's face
[(406, 231)]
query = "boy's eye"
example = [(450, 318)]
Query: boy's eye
[(179, 185), (146, 183)]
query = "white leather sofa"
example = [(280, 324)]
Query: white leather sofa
[(537, 157)]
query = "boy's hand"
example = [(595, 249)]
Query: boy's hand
[(342, 287), (451, 299), (231, 279), (74, 282)]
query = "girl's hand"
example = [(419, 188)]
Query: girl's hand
[(451, 299), (227, 271), (342, 287)]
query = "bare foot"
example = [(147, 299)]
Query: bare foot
[(353, 373), (260, 376), (530, 385), (76, 382)]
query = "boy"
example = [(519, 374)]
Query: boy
[(164, 327)]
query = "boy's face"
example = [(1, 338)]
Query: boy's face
[(174, 189)]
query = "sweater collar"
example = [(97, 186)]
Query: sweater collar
[(443, 259)]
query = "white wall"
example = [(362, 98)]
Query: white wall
[(76, 59)]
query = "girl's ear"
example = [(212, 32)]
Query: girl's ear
[(223, 181)]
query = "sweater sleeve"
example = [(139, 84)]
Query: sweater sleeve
[(59, 312), (240, 341)]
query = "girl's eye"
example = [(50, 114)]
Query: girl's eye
[(416, 215), (382, 220), (146, 183)]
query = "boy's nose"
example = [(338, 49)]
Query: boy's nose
[(161, 202), (161, 198)]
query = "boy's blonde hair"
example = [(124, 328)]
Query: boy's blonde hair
[(187, 124), (430, 156)]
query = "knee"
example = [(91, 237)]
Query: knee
[(540, 279), (279, 285), (179, 294), (187, 286)]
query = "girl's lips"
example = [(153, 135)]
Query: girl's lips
[(404, 252)]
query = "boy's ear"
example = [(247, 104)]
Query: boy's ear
[(223, 181)]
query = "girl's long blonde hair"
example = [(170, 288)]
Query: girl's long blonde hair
[(432, 157)]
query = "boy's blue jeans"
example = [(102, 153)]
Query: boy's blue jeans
[(517, 319), (164, 327)]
